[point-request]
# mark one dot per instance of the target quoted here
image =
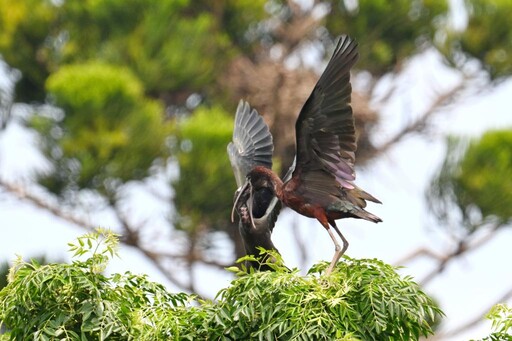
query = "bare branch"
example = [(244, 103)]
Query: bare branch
[(420, 124), (22, 194), (292, 33), (468, 244), (463, 246), (130, 236), (443, 261), (421, 252)]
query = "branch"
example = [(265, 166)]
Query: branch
[(419, 124), (463, 246), (130, 238), (300, 24), (22, 194), (131, 233), (421, 252)]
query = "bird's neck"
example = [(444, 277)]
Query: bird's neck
[(278, 185)]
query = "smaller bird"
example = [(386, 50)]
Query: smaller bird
[(321, 185), (258, 211), (259, 208)]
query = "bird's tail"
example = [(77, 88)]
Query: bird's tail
[(358, 198), (366, 196), (363, 214)]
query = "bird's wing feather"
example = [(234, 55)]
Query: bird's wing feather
[(325, 132), (252, 146), (252, 143)]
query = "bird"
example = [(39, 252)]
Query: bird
[(321, 185), (258, 209)]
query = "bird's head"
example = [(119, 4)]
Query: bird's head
[(261, 177), (259, 183)]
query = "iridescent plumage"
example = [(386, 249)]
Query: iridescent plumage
[(258, 208), (321, 185)]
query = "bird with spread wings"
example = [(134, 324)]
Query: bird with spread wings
[(258, 209), (321, 184)]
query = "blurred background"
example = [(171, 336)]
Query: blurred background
[(117, 113)]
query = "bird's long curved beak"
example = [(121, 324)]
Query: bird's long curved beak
[(250, 206), (240, 192)]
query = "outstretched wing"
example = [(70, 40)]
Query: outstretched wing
[(252, 143), (253, 146), (325, 132)]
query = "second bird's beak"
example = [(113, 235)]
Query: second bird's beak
[(241, 191)]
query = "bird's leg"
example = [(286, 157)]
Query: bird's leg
[(337, 252), (345, 242)]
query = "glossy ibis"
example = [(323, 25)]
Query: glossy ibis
[(322, 185), (258, 209)]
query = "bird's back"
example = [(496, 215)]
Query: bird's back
[(326, 145), (338, 202)]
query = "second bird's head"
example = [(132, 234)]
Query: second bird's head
[(261, 177), (256, 192)]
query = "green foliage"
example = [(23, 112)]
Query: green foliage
[(473, 186), (388, 32), (206, 183), (4, 268), (76, 302), (152, 42), (362, 300), (501, 317), (37, 37), (237, 17), (24, 26), (487, 37), (484, 178), (159, 64), (109, 132), (116, 68), (95, 89)]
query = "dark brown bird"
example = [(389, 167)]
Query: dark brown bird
[(322, 185), (259, 208)]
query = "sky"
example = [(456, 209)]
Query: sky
[(399, 178)]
